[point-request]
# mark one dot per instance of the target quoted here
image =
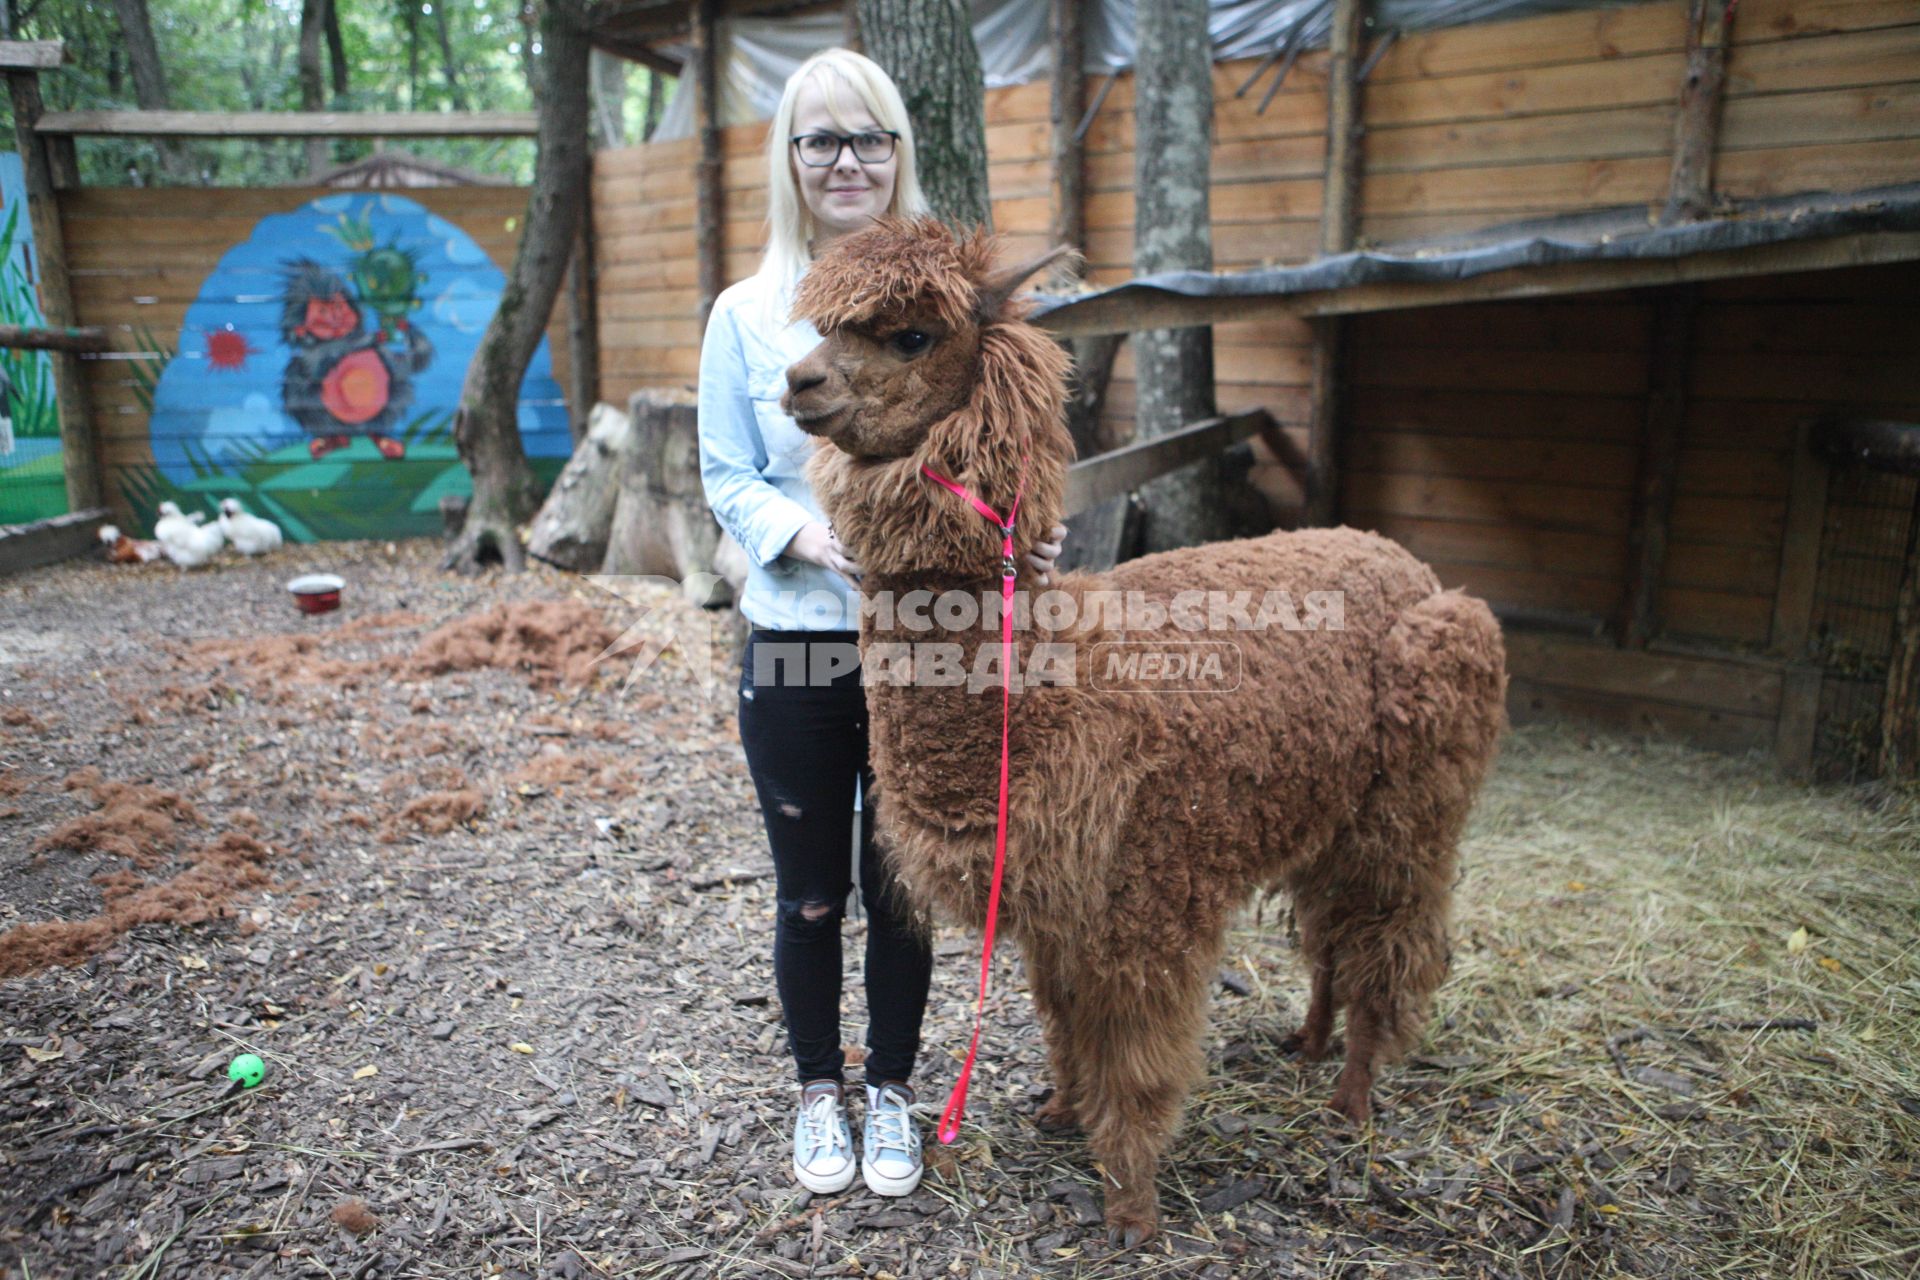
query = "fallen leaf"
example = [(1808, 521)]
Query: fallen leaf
[(1829, 964), (44, 1055), (1576, 886), (1797, 941), (193, 962), (364, 1072)]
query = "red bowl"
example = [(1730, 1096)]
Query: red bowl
[(317, 592)]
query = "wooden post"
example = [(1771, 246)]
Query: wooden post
[(1339, 222), (1900, 705), (709, 191), (1069, 103), (1696, 120), (583, 319), (78, 452), (1800, 549), (1659, 461)]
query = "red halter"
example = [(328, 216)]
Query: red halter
[(957, 1100)]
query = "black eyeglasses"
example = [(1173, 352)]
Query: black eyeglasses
[(822, 150)]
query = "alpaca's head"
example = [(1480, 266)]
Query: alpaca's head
[(926, 360)]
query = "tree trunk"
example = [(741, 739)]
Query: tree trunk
[(313, 84), (662, 525), (413, 54), (149, 80), (448, 65), (336, 51), (927, 47), (487, 426), (1173, 379)]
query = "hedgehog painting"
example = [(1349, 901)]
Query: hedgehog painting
[(343, 379)]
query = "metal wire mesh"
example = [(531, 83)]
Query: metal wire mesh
[(1862, 556)]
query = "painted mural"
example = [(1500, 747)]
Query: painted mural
[(318, 369), (33, 485)]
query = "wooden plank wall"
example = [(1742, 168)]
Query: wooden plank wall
[(1465, 127), (139, 257)]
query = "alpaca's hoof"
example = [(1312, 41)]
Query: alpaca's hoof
[(1306, 1046), (1057, 1115), (1128, 1231), (1356, 1104)]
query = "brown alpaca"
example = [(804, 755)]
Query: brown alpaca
[(1342, 767)]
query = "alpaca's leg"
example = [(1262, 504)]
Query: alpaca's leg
[(1314, 1035), (1140, 1052), (1391, 954), (1053, 1002)]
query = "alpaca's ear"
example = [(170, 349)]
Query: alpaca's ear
[(999, 285)]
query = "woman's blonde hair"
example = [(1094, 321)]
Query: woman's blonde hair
[(790, 224)]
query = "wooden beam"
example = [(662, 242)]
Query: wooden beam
[(1123, 470), (291, 124), (1340, 207), (79, 456), (1339, 220), (32, 55), (21, 338), (1696, 120), (28, 546), (710, 193), (1900, 704), (1068, 102), (1799, 723), (1659, 464), (1110, 313), (644, 54), (1800, 549)]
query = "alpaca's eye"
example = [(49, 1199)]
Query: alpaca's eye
[(910, 342)]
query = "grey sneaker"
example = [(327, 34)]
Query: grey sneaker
[(822, 1143), (891, 1160)]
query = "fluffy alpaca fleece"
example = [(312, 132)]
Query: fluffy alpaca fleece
[(1342, 767)]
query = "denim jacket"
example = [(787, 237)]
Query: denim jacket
[(753, 458)]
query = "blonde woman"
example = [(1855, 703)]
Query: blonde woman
[(840, 154)]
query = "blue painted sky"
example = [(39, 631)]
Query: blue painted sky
[(224, 414)]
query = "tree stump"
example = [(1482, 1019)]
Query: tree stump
[(572, 527), (661, 523)]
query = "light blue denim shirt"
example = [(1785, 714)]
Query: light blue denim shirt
[(753, 458)]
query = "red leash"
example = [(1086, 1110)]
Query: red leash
[(957, 1100)]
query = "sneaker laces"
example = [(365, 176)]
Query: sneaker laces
[(817, 1124), (890, 1124)]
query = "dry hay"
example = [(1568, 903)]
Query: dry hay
[(434, 814), (216, 873), (271, 662), (1640, 1063), (593, 773), (551, 641), (132, 820)]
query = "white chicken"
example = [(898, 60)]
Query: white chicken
[(250, 534), (190, 545), (171, 519)]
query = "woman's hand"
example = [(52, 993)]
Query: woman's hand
[(816, 544), (1043, 554)]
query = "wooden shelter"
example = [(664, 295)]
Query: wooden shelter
[(1617, 452)]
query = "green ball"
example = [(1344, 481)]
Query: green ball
[(247, 1069)]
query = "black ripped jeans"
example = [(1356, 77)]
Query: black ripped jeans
[(803, 722)]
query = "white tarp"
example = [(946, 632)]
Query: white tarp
[(760, 53)]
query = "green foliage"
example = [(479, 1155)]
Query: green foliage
[(34, 411), (243, 55)]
